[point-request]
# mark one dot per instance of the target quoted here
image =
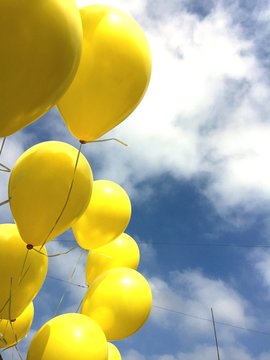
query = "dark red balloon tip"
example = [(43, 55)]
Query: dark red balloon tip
[(29, 246)]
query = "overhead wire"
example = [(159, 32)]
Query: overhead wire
[(181, 312)]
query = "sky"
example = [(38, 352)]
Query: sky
[(196, 170)]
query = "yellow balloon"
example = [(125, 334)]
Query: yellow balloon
[(113, 352), (121, 252), (12, 332), (40, 47), (113, 74), (22, 272), (106, 216), (120, 301), (69, 337), (39, 189)]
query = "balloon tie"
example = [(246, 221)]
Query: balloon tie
[(103, 140), (69, 281), (67, 199)]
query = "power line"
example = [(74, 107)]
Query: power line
[(190, 244), (209, 320), (204, 244), (178, 312)]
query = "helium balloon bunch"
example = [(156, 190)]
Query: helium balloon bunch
[(94, 64)]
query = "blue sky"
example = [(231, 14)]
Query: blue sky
[(197, 173)]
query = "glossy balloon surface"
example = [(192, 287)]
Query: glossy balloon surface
[(69, 337), (106, 216), (12, 332), (121, 252), (113, 352), (113, 74), (39, 186), (40, 47), (22, 272), (120, 301)]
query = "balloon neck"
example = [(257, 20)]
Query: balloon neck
[(13, 320), (29, 246), (83, 142)]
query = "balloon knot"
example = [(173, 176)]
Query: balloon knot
[(13, 320), (83, 141), (29, 246)]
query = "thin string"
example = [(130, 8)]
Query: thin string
[(2, 145), (103, 140), (24, 262), (10, 295), (79, 306), (66, 282), (68, 196), (4, 202), (17, 350), (209, 320), (69, 280), (13, 330), (56, 255), (4, 168)]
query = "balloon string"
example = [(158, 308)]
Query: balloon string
[(4, 202), (79, 306), (13, 330), (2, 145), (24, 262), (10, 296), (2, 335), (103, 140), (55, 255), (69, 281), (67, 199), (17, 350), (4, 168), (26, 271)]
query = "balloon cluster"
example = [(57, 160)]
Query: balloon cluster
[(95, 65)]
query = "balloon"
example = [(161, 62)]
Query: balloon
[(39, 186), (12, 332), (40, 47), (113, 352), (121, 252), (22, 272), (69, 337), (106, 216), (120, 301), (113, 74)]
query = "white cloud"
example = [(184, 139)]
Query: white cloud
[(203, 115), (200, 352), (192, 293)]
